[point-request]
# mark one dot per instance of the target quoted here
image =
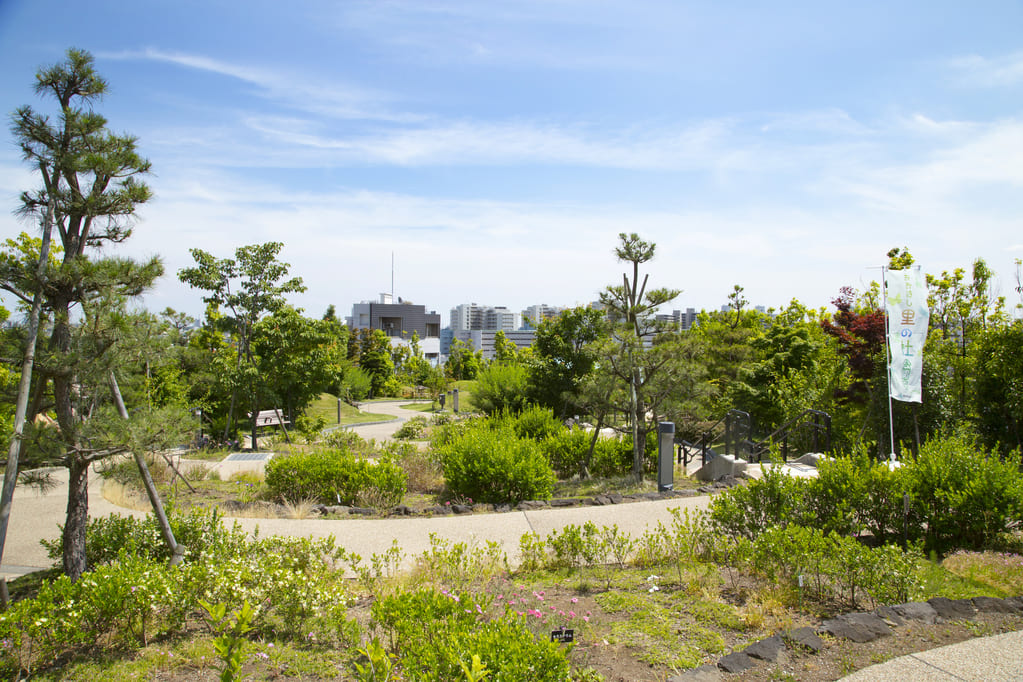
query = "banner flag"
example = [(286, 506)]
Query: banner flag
[(906, 308)]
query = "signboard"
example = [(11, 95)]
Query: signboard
[(906, 308), (563, 636)]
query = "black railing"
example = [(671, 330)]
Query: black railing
[(810, 431), (733, 431)]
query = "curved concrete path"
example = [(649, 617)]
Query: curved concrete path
[(36, 516)]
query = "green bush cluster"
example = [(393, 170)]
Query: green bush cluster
[(108, 537), (346, 439), (960, 497), (412, 429), (333, 477), (434, 637), (828, 566), (136, 597), (494, 465)]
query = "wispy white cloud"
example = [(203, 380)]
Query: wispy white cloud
[(989, 157), (293, 90), (977, 71)]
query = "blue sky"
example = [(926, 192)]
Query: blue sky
[(498, 148)]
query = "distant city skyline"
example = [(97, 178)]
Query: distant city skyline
[(497, 149)]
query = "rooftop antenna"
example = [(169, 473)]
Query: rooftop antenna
[(392, 276)]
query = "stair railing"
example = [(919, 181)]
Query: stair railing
[(814, 422)]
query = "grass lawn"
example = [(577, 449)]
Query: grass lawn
[(326, 406)]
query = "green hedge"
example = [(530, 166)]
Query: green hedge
[(961, 497), (494, 465), (333, 477)]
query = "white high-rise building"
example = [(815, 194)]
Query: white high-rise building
[(470, 316)]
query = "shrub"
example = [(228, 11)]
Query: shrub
[(333, 477), (537, 423), (310, 426), (345, 439), (566, 451), (830, 565), (501, 387), (612, 457), (962, 497), (776, 500), (200, 531), (432, 635), (413, 429), (495, 466)]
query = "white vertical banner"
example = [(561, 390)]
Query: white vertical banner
[(906, 308)]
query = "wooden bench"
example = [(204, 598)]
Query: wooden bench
[(274, 417)]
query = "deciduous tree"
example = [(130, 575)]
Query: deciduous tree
[(248, 286)]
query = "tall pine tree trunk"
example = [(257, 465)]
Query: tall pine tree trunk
[(77, 518)]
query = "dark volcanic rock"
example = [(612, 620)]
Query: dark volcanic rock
[(889, 615), (766, 649), (805, 637), (920, 611), (857, 627), (995, 605), (736, 663), (953, 609)]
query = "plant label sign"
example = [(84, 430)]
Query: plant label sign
[(563, 635)]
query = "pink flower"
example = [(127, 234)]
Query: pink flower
[(575, 600)]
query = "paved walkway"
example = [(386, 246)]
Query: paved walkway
[(36, 516)]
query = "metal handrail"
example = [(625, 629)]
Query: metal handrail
[(821, 422)]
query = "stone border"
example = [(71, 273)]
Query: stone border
[(859, 627)]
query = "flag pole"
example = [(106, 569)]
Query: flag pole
[(888, 364)]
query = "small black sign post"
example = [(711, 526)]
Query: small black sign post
[(563, 635)]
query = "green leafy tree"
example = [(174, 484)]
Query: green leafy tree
[(89, 190), (962, 310), (797, 368), (998, 399), (248, 286), (725, 350), (562, 357), (298, 357), (375, 358), (736, 302), (501, 387), (505, 352), (462, 362)]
